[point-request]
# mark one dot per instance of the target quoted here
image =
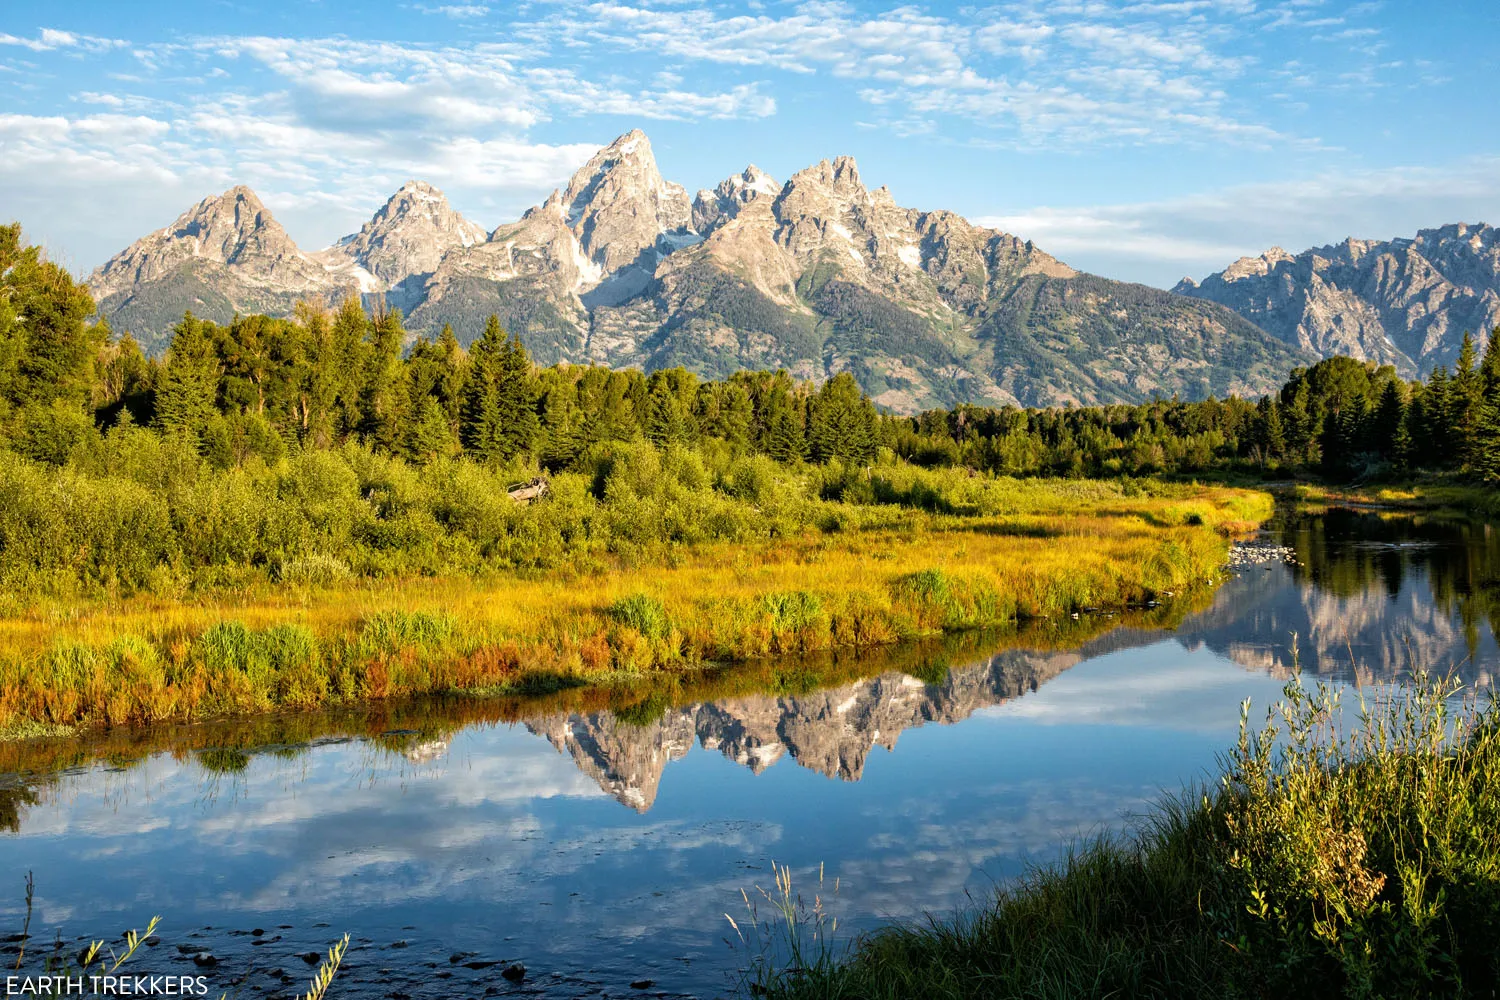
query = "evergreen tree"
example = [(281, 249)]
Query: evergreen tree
[(384, 413), (1486, 458), (1272, 435), (1466, 408), (431, 436), (515, 401), (186, 397), (450, 386), (1301, 434), (345, 365), (561, 437), (784, 439), (1390, 420), (1437, 422), (479, 428), (841, 422)]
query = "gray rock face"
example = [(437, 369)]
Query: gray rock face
[(233, 230), (408, 237), (818, 276), (1404, 302), (618, 206), (224, 255), (724, 202), (831, 731)]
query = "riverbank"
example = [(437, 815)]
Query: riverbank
[(1436, 496), (1042, 549), (1350, 862)]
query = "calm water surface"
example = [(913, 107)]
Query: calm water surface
[(602, 852)]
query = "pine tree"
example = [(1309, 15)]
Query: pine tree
[(187, 394), (383, 401), (479, 428), (345, 365), (1390, 420), (431, 436), (841, 422), (1272, 435), (515, 401), (785, 439), (454, 371), (665, 422), (560, 439), (1301, 434), (1437, 427), (1486, 458), (1466, 408)]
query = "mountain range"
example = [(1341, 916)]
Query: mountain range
[(816, 275), (1402, 302)]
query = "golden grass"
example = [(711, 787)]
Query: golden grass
[(1406, 496), (148, 659)]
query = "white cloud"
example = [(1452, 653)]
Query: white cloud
[(1071, 73), (50, 39), (1160, 241)]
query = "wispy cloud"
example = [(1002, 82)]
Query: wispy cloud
[(51, 39), (1071, 72), (1161, 241)]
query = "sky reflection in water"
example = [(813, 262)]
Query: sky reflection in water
[(607, 852)]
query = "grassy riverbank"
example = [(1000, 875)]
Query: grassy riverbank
[(1335, 863), (1467, 498), (987, 553)]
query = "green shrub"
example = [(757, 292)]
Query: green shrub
[(393, 630), (937, 599), (644, 613)]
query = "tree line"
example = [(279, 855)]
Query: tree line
[(264, 387), (1341, 418)]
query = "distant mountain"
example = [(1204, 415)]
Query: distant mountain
[(831, 731), (224, 255), (1405, 302), (817, 275)]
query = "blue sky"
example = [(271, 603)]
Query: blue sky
[(1142, 140)]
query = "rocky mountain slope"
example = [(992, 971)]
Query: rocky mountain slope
[(832, 731), (816, 275), (224, 255), (1405, 302)]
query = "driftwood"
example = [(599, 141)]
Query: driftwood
[(524, 493)]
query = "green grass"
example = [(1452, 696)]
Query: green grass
[(1358, 863)]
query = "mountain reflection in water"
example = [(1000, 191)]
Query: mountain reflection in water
[(495, 828)]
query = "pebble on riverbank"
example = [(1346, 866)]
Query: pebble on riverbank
[(1243, 554)]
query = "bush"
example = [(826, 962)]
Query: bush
[(644, 613)]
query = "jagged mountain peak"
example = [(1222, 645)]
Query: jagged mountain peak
[(841, 174), (221, 224), (752, 178), (819, 275), (405, 238), (619, 206), (225, 255), (1404, 301), (1251, 266), (230, 228), (712, 209)]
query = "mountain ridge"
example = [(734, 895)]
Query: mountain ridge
[(816, 275), (1405, 301)]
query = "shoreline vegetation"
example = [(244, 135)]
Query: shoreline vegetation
[(312, 511), (869, 576), (1330, 859)]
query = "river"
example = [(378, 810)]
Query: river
[(603, 849)]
